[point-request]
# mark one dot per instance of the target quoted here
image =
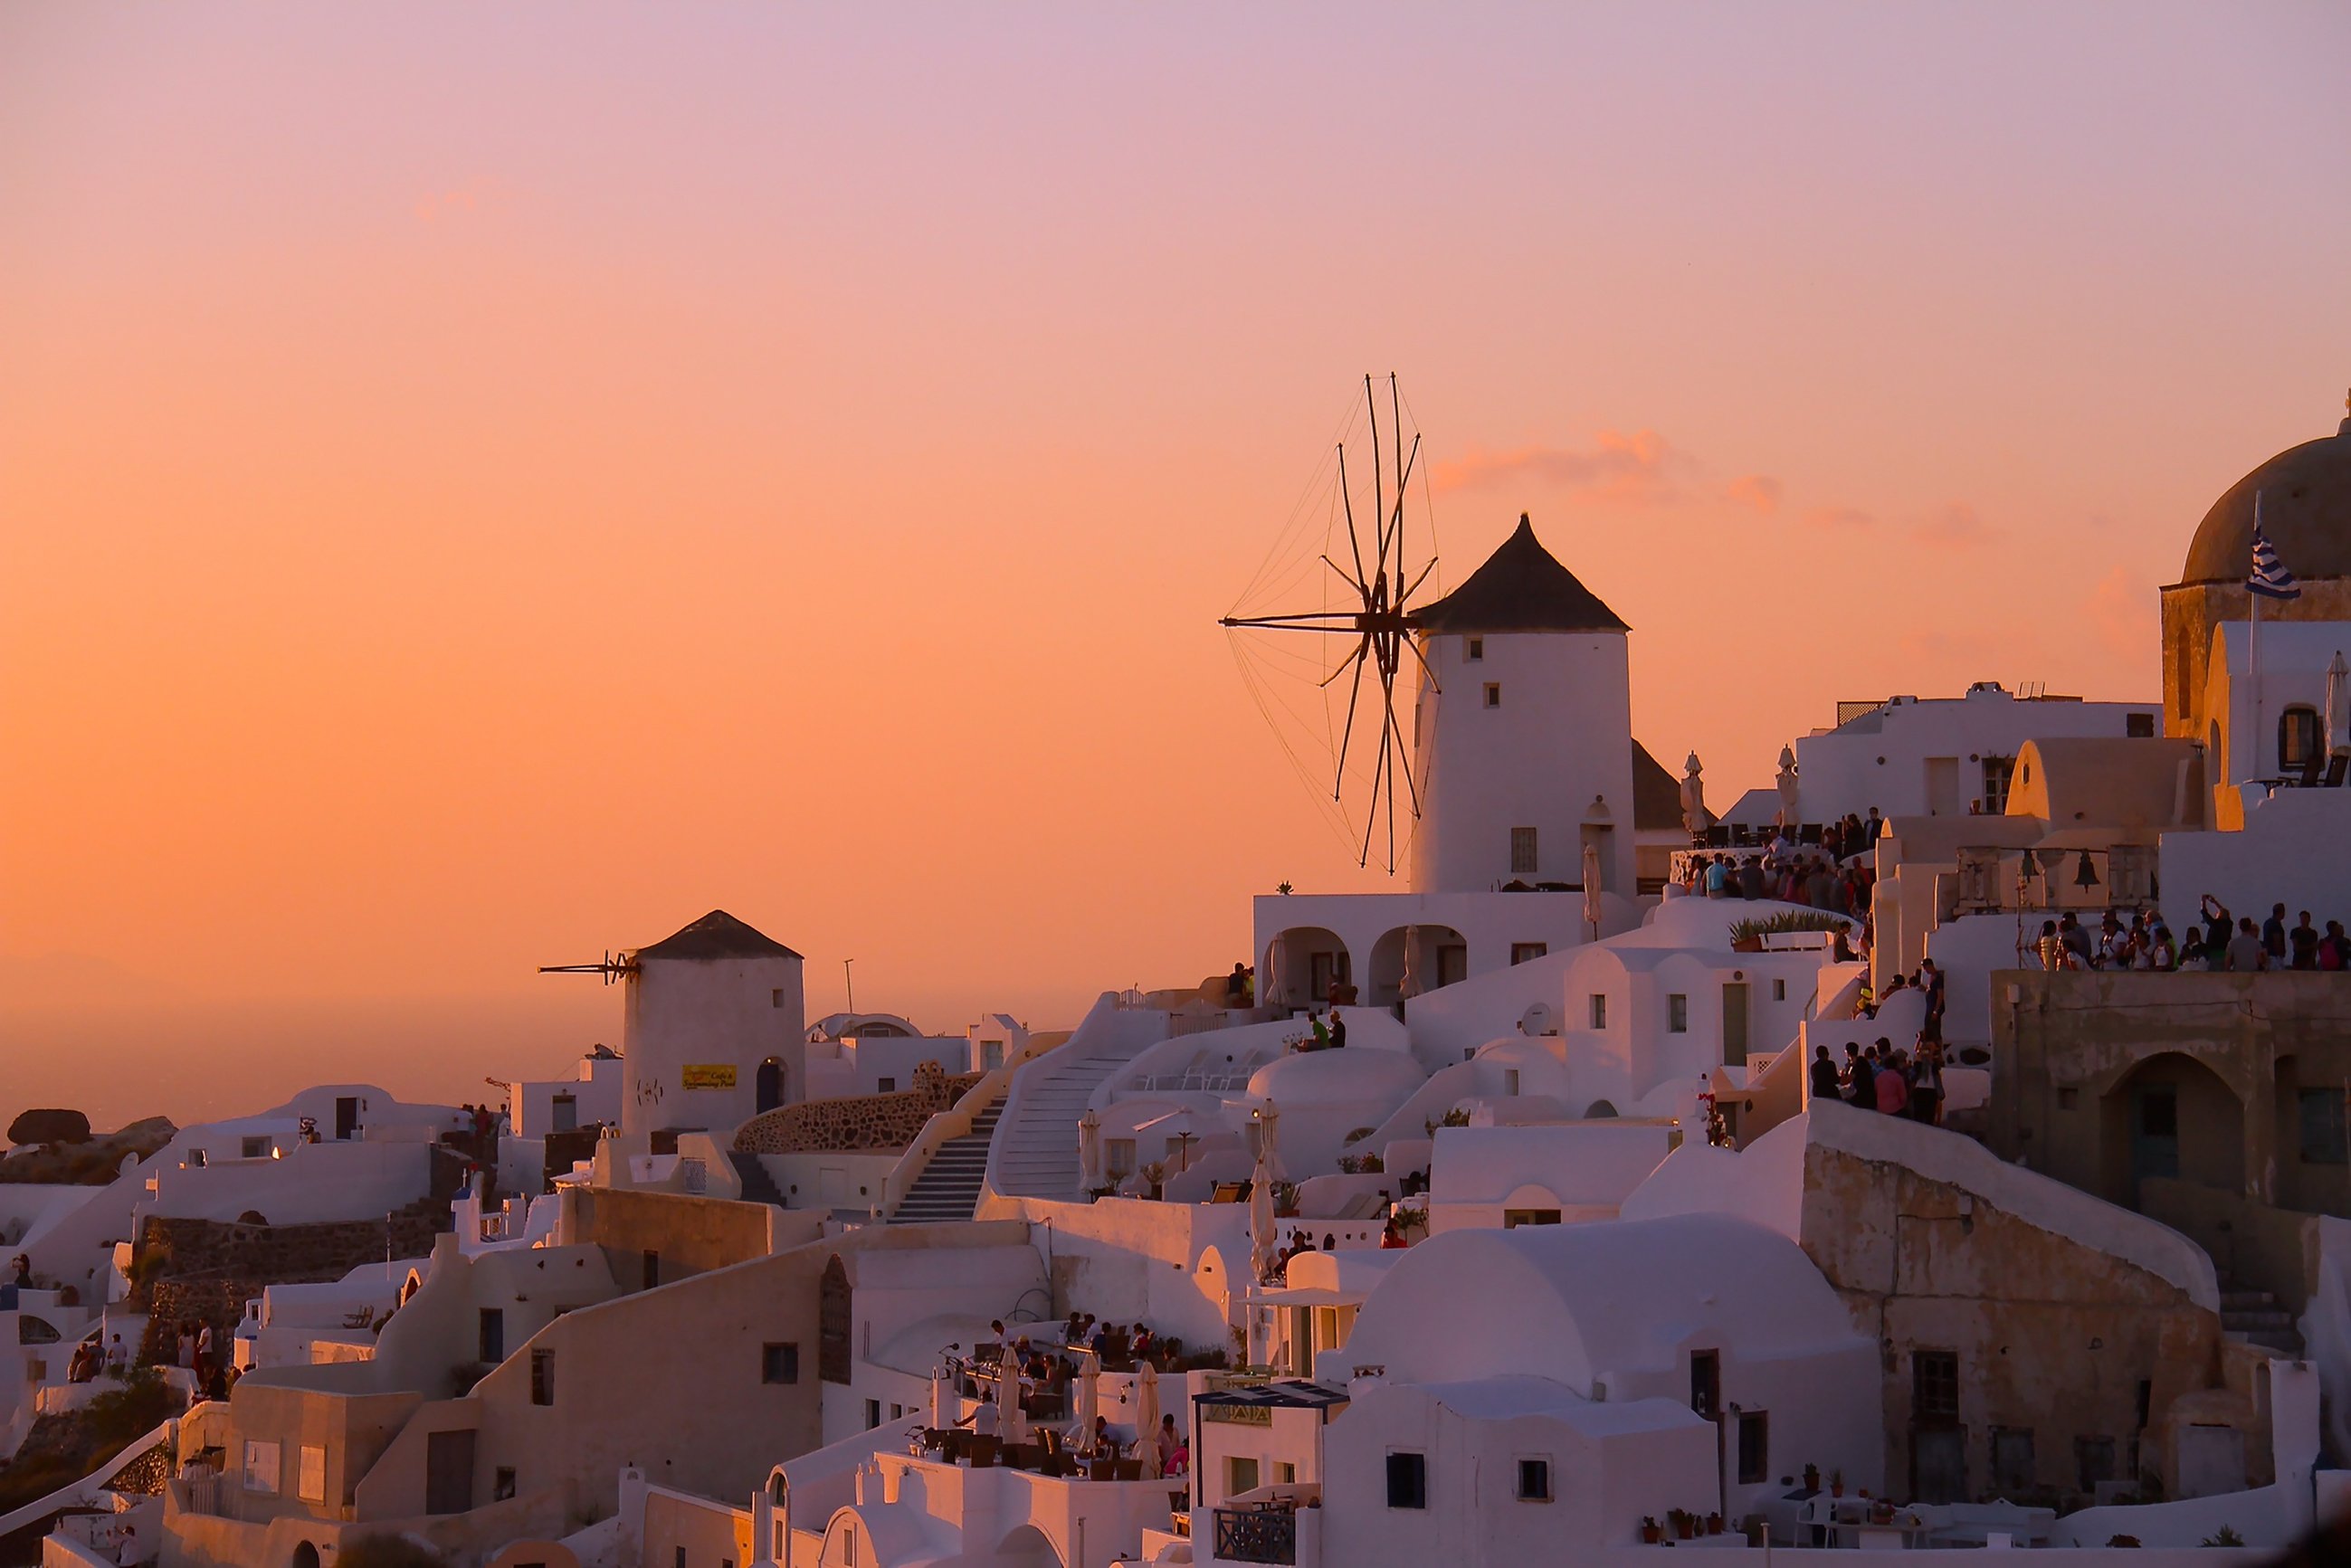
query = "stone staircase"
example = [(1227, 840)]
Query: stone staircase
[(1036, 1153), (2255, 1318), (949, 1187), (759, 1186)]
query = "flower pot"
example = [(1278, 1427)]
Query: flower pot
[(1650, 1534), (1681, 1529), (1747, 944), (1714, 1524)]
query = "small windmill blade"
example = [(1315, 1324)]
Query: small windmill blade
[(1370, 607)]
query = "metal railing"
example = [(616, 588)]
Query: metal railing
[(1257, 1535)]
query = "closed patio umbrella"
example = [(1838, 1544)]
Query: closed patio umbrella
[(1147, 1406), (1263, 1239), (1090, 1150), (1089, 1392), (2338, 706)]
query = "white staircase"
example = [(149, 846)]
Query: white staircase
[(1035, 1151), (949, 1187)]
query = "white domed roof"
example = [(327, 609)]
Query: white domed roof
[(1350, 1076)]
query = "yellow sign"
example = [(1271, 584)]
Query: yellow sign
[(709, 1075)]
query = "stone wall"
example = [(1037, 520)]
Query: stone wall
[(868, 1122), (209, 1269), (2054, 1338)]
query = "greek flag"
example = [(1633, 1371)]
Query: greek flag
[(2270, 580)]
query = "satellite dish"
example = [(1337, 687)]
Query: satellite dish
[(1537, 1019)]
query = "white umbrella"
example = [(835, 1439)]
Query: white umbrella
[(1089, 1389), (1015, 1420), (941, 1398), (1089, 1149), (1263, 1241), (1591, 888), (2338, 706), (1791, 811), (1695, 817), (1146, 1405), (1267, 1148)]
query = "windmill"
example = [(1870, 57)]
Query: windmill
[(1366, 621)]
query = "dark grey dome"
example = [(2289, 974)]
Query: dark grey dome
[(2306, 494)]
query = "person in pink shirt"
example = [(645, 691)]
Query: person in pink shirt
[(1893, 1085)]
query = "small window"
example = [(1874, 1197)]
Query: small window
[(1528, 952), (1677, 1013), (779, 1364), (542, 1377), (1514, 1218), (1477, 648), (776, 998), (310, 1480), (2138, 726), (2093, 1462), (2012, 1467), (681, 1557), (1934, 1385), (991, 1054), (873, 1414), (1779, 991), (502, 1487), (887, 1086), (261, 1466), (1493, 693), (1999, 772), (1511, 1082), (1534, 1481), (2323, 1140), (1599, 1009), (2297, 738), (492, 1337), (1119, 1154), (1706, 1382), (256, 1148), (1408, 1480), (653, 1268), (1754, 1447), (1522, 852), (897, 1412), (1240, 1475), (1284, 1473)]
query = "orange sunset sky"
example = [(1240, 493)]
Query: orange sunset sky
[(486, 485)]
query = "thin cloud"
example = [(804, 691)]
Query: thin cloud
[(1840, 519), (1640, 469), (1955, 528), (1760, 491)]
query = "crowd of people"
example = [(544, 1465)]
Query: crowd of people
[(1884, 1078), (2215, 942), (1836, 877), (1035, 1378)]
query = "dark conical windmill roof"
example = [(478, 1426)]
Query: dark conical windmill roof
[(717, 934), (1522, 588)]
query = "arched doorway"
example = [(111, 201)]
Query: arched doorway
[(769, 1084), (1028, 1547), (833, 1317), (1302, 966), (306, 1555), (1432, 955), (2172, 1118)]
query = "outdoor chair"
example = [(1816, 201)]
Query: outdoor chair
[(1101, 1470), (1127, 1469)]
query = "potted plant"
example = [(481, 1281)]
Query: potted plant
[(1811, 1478), (1714, 1524), (1836, 1483), (1683, 1520), (1651, 1530)]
